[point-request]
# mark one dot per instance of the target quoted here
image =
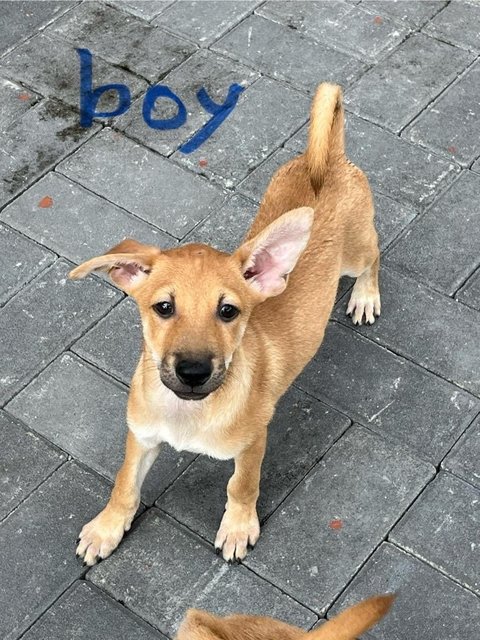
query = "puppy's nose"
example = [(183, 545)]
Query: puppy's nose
[(193, 373)]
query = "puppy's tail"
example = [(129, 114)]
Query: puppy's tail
[(325, 134), (355, 620)]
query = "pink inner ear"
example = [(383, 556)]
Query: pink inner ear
[(266, 270), (127, 273), (275, 258)]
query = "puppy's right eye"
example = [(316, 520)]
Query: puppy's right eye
[(164, 308)]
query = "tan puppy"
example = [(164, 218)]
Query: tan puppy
[(200, 625), (224, 337)]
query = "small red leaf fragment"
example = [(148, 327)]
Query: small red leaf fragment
[(45, 202), (203, 162), (335, 524), (452, 149), (378, 20), (24, 96)]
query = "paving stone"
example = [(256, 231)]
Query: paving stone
[(40, 538), (36, 141), (256, 183), (141, 8), (122, 40), (447, 339), (266, 115), (96, 435), (441, 248), (450, 254), (428, 605), (464, 459), (391, 217), (442, 528), (356, 492), (38, 324), (114, 344), (20, 261), (14, 102), (411, 12), (458, 23), (273, 49), (470, 292), (301, 432), (51, 67), (400, 87), (451, 124), (21, 19), (161, 570), (204, 69), (387, 393), (84, 611), (77, 224), (25, 461), (158, 191), (390, 163), (205, 21), (348, 28), (226, 228)]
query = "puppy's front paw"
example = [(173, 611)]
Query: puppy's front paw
[(362, 304), (102, 535), (238, 530)]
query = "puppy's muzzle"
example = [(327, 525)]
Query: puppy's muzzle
[(192, 378)]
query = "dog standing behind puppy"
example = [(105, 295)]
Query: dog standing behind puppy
[(200, 625), (224, 336)]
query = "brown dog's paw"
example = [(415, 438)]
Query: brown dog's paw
[(363, 305), (101, 536), (238, 531)]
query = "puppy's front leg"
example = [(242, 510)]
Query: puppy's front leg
[(102, 535), (240, 526)]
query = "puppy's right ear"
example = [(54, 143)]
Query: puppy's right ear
[(128, 264)]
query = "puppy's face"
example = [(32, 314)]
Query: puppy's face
[(195, 301), (195, 305)]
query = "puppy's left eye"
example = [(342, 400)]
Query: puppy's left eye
[(228, 312)]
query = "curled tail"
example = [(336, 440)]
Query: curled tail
[(355, 620), (325, 134)]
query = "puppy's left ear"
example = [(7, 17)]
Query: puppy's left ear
[(267, 259), (128, 264)]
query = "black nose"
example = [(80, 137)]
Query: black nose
[(193, 373)]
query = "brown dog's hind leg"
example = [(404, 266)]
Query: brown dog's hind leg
[(365, 297), (102, 535), (240, 527)]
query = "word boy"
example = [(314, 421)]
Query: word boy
[(89, 98)]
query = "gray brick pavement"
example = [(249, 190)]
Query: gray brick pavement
[(390, 504), (428, 603)]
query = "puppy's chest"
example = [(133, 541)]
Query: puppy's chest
[(187, 433)]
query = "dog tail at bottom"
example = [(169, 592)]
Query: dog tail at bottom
[(325, 133), (355, 620)]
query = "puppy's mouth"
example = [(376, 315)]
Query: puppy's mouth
[(191, 395)]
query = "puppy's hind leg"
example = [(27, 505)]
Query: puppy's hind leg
[(365, 298)]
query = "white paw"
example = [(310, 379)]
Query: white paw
[(238, 531), (101, 536), (362, 306)]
